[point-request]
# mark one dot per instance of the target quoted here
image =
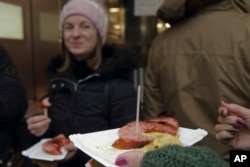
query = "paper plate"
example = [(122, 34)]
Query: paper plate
[(98, 144), (36, 152)]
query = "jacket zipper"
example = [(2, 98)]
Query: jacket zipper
[(75, 84)]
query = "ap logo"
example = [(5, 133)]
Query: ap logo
[(239, 158)]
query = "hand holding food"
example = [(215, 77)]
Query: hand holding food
[(38, 124), (99, 144), (71, 149), (54, 145)]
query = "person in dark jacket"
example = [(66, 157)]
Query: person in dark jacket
[(91, 88), (13, 103)]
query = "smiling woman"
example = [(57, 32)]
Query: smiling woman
[(83, 31), (80, 36), (83, 77)]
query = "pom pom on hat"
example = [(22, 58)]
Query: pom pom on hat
[(175, 155), (94, 10)]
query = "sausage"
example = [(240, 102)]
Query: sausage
[(127, 134), (158, 127), (44, 103), (129, 131), (131, 143), (153, 125), (136, 142), (54, 145), (61, 140), (166, 120), (51, 148)]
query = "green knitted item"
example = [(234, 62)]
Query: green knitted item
[(179, 156)]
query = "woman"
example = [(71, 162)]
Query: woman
[(91, 88)]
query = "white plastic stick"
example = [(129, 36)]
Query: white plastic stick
[(138, 111), (45, 111)]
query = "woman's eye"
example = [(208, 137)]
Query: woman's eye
[(85, 26), (67, 27)]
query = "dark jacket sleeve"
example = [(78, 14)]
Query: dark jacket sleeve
[(13, 99), (122, 99)]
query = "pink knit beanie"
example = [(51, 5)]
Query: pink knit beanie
[(94, 10)]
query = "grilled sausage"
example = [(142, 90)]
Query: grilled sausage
[(129, 139), (54, 145)]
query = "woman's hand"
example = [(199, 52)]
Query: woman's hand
[(71, 151), (38, 124), (233, 128), (129, 159)]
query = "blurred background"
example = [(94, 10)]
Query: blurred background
[(29, 32)]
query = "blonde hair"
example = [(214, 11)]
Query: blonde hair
[(93, 61)]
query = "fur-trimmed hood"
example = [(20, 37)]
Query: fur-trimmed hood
[(118, 62), (172, 11)]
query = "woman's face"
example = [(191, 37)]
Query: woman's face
[(80, 36)]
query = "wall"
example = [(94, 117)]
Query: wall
[(32, 54)]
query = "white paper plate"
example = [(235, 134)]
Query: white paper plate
[(36, 152), (98, 144)]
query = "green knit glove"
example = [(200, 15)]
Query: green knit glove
[(179, 156)]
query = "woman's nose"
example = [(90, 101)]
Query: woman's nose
[(76, 32)]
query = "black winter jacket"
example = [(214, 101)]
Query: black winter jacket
[(86, 101), (13, 102)]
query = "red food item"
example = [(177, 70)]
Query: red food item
[(128, 131), (166, 120), (44, 103), (51, 148), (41, 105), (54, 145), (149, 126), (127, 134), (136, 142)]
